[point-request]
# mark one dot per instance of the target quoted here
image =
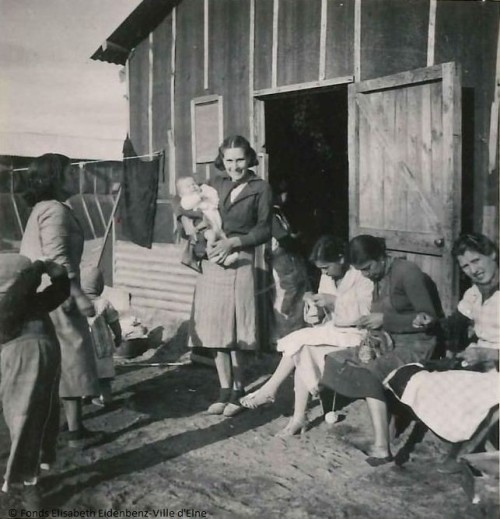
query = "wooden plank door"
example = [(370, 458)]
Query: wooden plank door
[(405, 167)]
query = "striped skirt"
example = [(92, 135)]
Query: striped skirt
[(224, 310)]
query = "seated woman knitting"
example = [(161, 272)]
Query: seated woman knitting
[(401, 292), (454, 396), (344, 295)]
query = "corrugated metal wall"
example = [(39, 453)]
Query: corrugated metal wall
[(155, 277)]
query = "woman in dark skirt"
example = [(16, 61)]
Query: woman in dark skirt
[(401, 291), (224, 311)]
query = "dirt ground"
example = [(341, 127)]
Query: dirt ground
[(164, 457)]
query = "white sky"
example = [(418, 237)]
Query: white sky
[(48, 83)]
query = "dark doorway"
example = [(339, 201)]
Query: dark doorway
[(306, 140)]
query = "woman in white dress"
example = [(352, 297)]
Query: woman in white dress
[(344, 295), (454, 403)]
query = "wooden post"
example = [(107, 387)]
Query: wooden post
[(150, 94), (205, 43), (431, 35), (171, 132), (357, 40), (251, 73), (322, 40), (274, 62)]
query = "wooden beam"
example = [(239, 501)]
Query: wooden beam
[(431, 35), (171, 132), (419, 75), (304, 86), (322, 40), (205, 43), (357, 40), (150, 93), (14, 204), (274, 59), (251, 73), (353, 157), (99, 210)]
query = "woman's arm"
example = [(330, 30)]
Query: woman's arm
[(260, 233), (415, 285)]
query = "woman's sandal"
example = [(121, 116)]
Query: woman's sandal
[(293, 428), (254, 400)]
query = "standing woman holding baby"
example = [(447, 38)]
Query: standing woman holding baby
[(224, 313)]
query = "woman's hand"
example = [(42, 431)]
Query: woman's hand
[(324, 301), (222, 248), (478, 355), (422, 320), (372, 321)]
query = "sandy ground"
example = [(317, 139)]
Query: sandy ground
[(162, 454), (164, 457)]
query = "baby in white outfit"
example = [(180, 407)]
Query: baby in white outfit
[(205, 199)]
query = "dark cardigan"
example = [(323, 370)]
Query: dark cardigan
[(249, 216)]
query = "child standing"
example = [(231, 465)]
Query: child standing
[(30, 368), (105, 330)]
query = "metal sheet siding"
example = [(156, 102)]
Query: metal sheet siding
[(155, 277)]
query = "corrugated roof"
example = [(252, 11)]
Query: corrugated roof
[(138, 25)]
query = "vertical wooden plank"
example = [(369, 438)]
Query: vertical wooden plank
[(274, 60), (353, 155), (357, 40), (416, 217), (162, 118), (431, 33), (263, 43), (188, 77), (171, 133), (299, 40), (205, 43), (138, 97), (340, 38), (452, 171), (150, 92), (393, 36), (251, 69), (322, 40), (230, 70), (426, 136)]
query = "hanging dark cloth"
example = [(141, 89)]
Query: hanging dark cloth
[(139, 193)]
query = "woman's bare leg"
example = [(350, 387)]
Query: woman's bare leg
[(380, 421), (298, 422), (222, 360)]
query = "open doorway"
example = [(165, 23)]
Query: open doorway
[(306, 140)]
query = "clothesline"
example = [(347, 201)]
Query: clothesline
[(84, 162)]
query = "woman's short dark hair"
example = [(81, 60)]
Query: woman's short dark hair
[(236, 141), (44, 177), (475, 242), (365, 248), (328, 249)]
